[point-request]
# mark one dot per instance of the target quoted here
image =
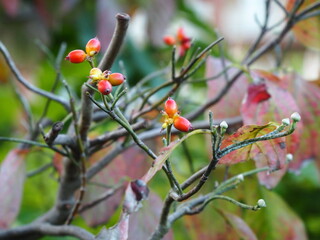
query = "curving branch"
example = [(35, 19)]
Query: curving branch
[(27, 232), (28, 85)]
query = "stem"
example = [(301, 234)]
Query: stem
[(169, 172)]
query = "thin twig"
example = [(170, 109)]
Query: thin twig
[(27, 84)]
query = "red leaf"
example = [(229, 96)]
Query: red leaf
[(12, 175), (257, 93), (229, 105)]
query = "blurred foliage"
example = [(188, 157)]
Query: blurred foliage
[(74, 22)]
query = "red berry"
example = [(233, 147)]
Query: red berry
[(104, 87), (182, 124), (181, 36), (169, 40), (170, 107), (76, 56), (116, 79), (93, 46), (186, 45)]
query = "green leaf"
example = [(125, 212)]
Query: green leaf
[(277, 221)]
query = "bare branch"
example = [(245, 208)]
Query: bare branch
[(28, 231), (106, 63), (28, 85)]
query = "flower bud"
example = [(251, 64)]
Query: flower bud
[(93, 46), (104, 87), (116, 79), (261, 203), (182, 124), (224, 125), (286, 121), (169, 40), (289, 157), (170, 107), (296, 117), (76, 56), (240, 177)]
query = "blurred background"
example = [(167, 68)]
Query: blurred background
[(33, 31)]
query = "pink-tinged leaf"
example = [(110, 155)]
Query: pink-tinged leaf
[(117, 232), (240, 226), (281, 104), (277, 220), (306, 31), (132, 163), (143, 222), (12, 175), (11, 7), (131, 204), (166, 152), (270, 153), (229, 105), (211, 224), (307, 96)]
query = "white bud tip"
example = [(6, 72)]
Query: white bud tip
[(224, 124), (286, 121), (240, 177), (261, 203), (289, 157), (295, 117)]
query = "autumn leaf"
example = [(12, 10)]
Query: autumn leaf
[(270, 153), (306, 31), (12, 175), (217, 224), (130, 164), (229, 105), (307, 96)]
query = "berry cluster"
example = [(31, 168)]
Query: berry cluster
[(172, 116), (181, 40), (104, 79), (92, 48)]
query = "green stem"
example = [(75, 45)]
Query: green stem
[(170, 174)]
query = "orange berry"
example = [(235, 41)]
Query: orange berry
[(93, 46), (169, 40), (170, 107), (104, 87), (181, 36), (182, 124), (76, 56), (116, 79)]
